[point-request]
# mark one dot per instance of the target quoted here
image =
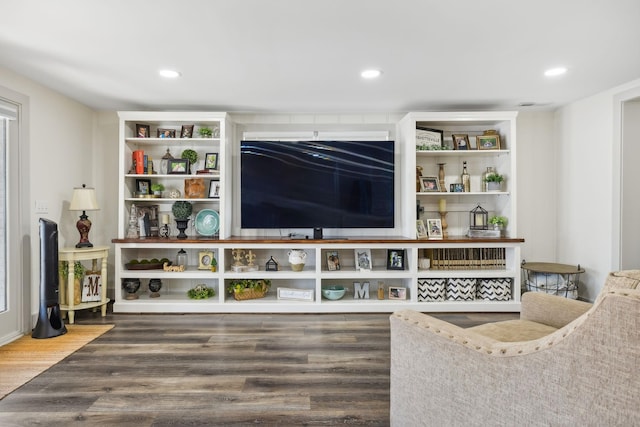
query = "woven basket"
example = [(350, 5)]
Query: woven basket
[(248, 294)]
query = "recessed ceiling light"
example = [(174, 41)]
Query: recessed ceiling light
[(169, 74), (370, 74), (557, 71)]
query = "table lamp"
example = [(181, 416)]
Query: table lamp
[(84, 199)]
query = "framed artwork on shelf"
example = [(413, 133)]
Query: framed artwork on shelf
[(333, 261), (186, 131), (205, 258), (166, 133), (214, 189), (456, 188), (143, 131), (363, 259), (397, 292), (488, 142), (460, 141), (177, 166), (421, 230), (395, 259), (143, 186), (430, 184), (211, 161), (428, 139), (434, 228)]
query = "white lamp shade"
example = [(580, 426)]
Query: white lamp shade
[(84, 199)]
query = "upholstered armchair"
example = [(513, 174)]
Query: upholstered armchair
[(563, 363)]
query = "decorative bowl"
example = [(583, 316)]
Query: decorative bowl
[(333, 292)]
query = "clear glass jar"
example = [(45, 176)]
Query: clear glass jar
[(182, 258)]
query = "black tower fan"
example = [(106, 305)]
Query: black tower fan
[(50, 322)]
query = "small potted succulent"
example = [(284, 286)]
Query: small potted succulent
[(494, 182), (181, 210), (190, 155), (498, 222), (157, 189), (205, 132)]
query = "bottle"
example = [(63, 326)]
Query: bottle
[(380, 290), (490, 171), (466, 179), (181, 258)]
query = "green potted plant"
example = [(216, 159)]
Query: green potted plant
[(205, 132), (190, 155), (243, 289), (181, 210), (494, 182), (498, 222), (157, 189)]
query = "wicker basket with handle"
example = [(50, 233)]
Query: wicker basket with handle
[(252, 289)]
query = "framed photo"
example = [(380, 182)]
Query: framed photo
[(166, 133), (428, 139), (211, 161), (177, 166), (434, 228), (186, 131), (143, 186), (430, 184), (363, 259), (460, 141), (205, 258), (143, 131), (333, 261), (421, 230), (488, 142), (395, 259), (456, 188), (397, 292), (214, 189)]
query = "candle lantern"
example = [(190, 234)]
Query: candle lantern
[(478, 219)]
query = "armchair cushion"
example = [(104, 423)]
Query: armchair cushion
[(514, 330)]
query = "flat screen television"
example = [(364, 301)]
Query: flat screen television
[(317, 184)]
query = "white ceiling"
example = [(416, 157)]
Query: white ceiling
[(301, 55)]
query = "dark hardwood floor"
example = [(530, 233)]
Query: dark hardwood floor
[(220, 369)]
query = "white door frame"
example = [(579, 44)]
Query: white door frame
[(16, 320)]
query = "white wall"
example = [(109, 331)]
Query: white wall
[(61, 158), (537, 183), (586, 144)]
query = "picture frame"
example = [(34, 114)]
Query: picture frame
[(430, 184), (395, 259), (177, 166), (186, 131), (421, 230), (333, 261), (211, 161), (397, 292), (143, 186), (363, 259), (460, 142), (457, 187), (143, 131), (488, 142), (214, 189), (166, 133), (434, 228), (428, 139), (205, 258)]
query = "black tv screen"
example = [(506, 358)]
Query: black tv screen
[(317, 184)]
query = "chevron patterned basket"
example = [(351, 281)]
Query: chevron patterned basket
[(432, 290), (498, 289), (461, 289)]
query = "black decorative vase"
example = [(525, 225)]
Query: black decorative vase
[(182, 225), (154, 287)]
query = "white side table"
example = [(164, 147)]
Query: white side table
[(71, 255)]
